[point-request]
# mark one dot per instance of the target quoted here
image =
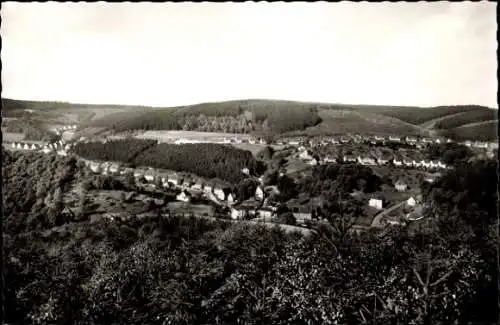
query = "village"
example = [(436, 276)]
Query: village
[(370, 151)]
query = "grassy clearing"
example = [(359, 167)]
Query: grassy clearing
[(189, 208), (12, 137), (166, 136)]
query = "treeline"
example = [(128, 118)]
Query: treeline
[(123, 150), (229, 117), (449, 153), (205, 160), (339, 177)]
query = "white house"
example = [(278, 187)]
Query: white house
[(397, 163), (245, 171), (259, 194), (348, 158), (329, 160), (312, 162), (411, 202), (367, 161), (197, 186), (114, 168), (183, 196), (401, 186), (26, 146), (265, 212), (375, 203), (393, 138), (172, 179), (46, 150), (382, 161), (62, 153), (230, 199), (19, 146), (149, 175), (237, 213), (305, 155), (219, 193), (251, 141), (13, 145)]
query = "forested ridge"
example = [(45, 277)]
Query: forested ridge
[(194, 271), (207, 160)]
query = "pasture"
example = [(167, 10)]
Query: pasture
[(190, 208), (12, 137), (172, 135)]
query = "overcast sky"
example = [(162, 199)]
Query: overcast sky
[(182, 53)]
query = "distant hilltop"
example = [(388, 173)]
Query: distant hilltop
[(272, 118)]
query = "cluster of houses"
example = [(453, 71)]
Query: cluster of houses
[(358, 139), (225, 140), (60, 147), (60, 131), (387, 160), (25, 146)]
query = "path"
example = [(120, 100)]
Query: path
[(376, 221)]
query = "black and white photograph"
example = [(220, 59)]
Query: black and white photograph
[(262, 163)]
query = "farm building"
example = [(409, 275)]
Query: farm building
[(376, 203)]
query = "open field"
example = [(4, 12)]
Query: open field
[(172, 135), (190, 208), (12, 137)]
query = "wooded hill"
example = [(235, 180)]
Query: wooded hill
[(279, 117)]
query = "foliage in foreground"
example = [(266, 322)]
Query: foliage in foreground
[(194, 271)]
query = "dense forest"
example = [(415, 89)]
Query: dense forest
[(205, 160), (123, 150), (449, 153), (194, 271), (339, 177), (32, 129), (33, 187), (229, 117)]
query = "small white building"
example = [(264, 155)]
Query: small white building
[(245, 171), (197, 186), (411, 202), (376, 203), (230, 199), (13, 145), (401, 186), (259, 193), (26, 146), (329, 160), (173, 180), (237, 213), (312, 162), (149, 175), (219, 193), (183, 197), (397, 163), (19, 146), (265, 212), (207, 189)]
